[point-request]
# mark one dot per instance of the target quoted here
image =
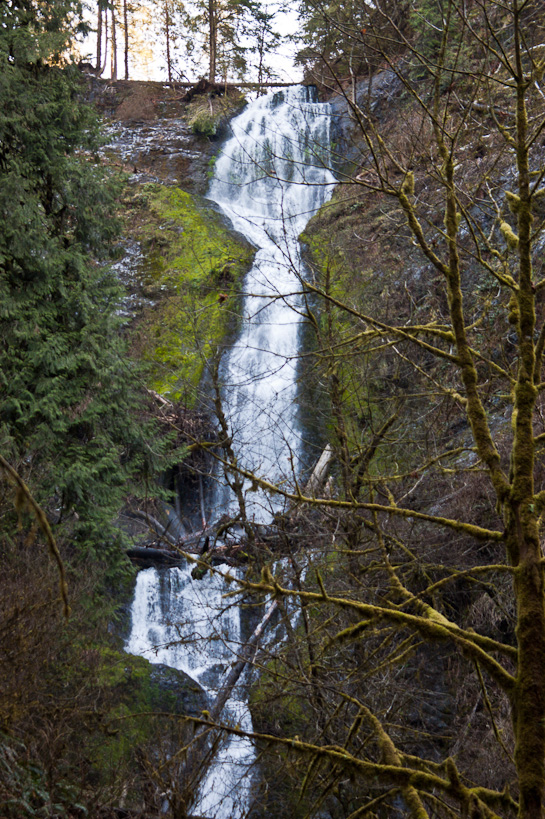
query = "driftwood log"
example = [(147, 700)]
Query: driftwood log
[(147, 556), (170, 538), (165, 549), (319, 473)]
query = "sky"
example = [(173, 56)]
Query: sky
[(148, 61)]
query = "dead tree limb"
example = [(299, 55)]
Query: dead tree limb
[(156, 526), (198, 748), (319, 473)]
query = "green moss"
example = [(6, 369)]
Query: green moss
[(127, 680), (274, 709), (282, 710), (353, 254), (131, 692), (194, 266)]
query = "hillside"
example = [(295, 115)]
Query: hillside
[(425, 302)]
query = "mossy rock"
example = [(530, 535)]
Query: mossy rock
[(275, 709), (280, 711), (207, 116), (173, 691), (136, 690), (194, 266), (357, 248)]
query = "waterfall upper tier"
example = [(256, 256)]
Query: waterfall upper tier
[(271, 176)]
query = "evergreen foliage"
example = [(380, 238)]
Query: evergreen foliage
[(342, 40), (67, 390)]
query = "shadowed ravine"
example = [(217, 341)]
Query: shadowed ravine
[(269, 180)]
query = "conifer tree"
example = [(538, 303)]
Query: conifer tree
[(67, 389)]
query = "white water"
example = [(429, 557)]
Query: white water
[(269, 179), (186, 624)]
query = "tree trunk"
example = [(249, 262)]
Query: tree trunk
[(319, 473), (522, 521), (167, 32), (246, 656), (197, 750), (213, 37), (105, 63), (126, 35), (529, 696), (114, 48), (99, 38), (261, 52)]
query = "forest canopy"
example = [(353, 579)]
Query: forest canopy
[(74, 437), (68, 387)]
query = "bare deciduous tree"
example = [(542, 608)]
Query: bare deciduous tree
[(436, 568)]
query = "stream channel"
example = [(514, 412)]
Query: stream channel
[(269, 179)]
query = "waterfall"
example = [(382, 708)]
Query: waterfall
[(269, 179), (186, 624)]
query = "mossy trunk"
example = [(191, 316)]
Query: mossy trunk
[(529, 694), (522, 526), (213, 37), (515, 493)]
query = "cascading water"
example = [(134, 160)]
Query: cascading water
[(270, 178)]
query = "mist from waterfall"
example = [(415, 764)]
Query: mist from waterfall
[(269, 179)]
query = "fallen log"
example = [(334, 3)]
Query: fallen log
[(155, 526), (150, 555), (168, 542), (247, 655), (173, 522), (147, 557), (204, 87)]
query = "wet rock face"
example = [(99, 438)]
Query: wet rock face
[(176, 250), (128, 271), (163, 150), (372, 96), (149, 134), (175, 692)]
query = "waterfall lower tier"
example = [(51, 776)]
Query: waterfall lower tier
[(270, 178), (186, 624)]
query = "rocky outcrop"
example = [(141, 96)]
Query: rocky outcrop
[(151, 133), (372, 94), (175, 692)]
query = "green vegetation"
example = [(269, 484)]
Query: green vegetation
[(76, 436), (194, 265), (425, 656), (411, 681), (207, 116), (356, 260), (70, 706), (69, 406)]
